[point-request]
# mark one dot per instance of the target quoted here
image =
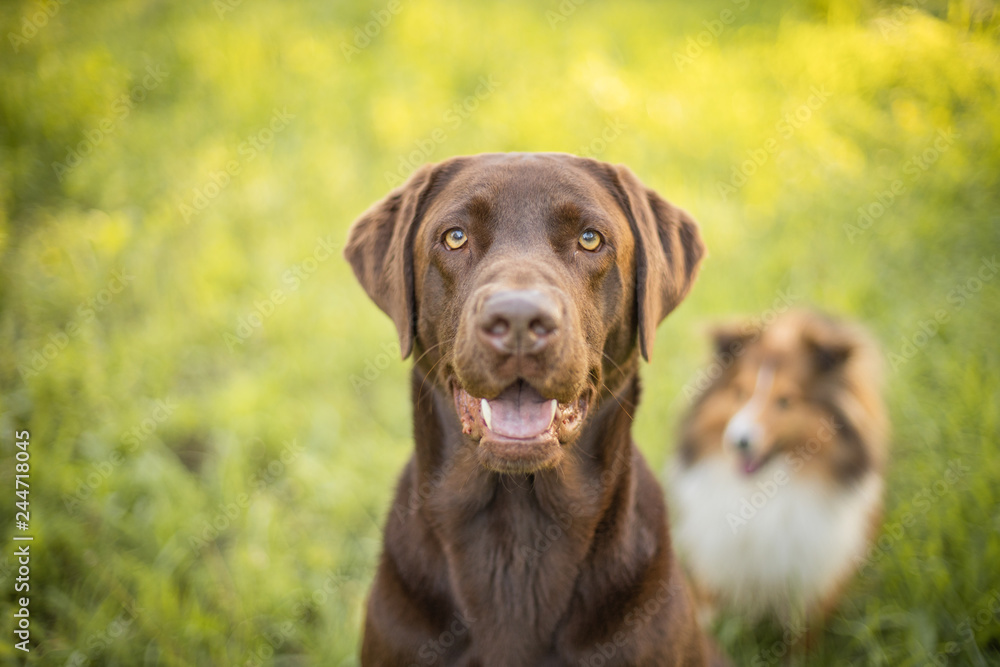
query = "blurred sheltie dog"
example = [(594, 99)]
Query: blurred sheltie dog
[(777, 483)]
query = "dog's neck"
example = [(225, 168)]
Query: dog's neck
[(531, 535)]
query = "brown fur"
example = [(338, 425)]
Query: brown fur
[(555, 553)]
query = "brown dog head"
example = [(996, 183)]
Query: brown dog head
[(525, 282)]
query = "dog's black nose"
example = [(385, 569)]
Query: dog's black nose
[(743, 443), (519, 321)]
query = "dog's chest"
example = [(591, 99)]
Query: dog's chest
[(513, 569), (771, 541)]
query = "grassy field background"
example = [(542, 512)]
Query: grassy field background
[(217, 414)]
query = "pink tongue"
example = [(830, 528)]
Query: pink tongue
[(520, 412), (750, 466)]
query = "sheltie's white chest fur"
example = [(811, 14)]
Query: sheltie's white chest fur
[(769, 542)]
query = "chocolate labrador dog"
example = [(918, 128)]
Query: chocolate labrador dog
[(527, 528)]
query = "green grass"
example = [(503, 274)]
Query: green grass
[(278, 438)]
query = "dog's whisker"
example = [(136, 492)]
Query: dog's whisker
[(618, 401), (431, 348), (472, 472), (606, 356), (424, 382)]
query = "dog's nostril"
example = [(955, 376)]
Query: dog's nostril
[(540, 328), (499, 327)]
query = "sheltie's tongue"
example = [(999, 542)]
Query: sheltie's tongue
[(519, 412), (752, 465)]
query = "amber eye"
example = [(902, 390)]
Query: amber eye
[(591, 240), (455, 238), (783, 402)]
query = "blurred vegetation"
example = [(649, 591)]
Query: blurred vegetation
[(217, 413)]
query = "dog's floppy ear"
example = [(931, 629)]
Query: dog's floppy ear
[(831, 346), (731, 338), (380, 250), (669, 251)]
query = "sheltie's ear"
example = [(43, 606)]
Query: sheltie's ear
[(731, 339), (830, 346)]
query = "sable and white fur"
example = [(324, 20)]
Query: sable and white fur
[(777, 483)]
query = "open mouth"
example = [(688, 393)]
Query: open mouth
[(519, 430), (751, 464)]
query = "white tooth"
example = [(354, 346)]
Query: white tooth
[(554, 404), (487, 413)]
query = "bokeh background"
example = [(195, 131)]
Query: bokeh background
[(217, 413)]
